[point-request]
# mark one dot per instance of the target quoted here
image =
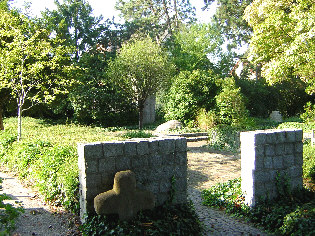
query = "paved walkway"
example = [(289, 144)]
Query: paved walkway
[(205, 169)]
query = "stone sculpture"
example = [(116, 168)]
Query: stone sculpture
[(124, 199)]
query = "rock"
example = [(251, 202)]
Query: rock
[(169, 125), (124, 199), (276, 116)]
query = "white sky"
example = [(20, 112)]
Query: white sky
[(106, 8)]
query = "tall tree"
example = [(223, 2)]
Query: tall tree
[(159, 18), (74, 22), (229, 18), (140, 69), (30, 67), (283, 39)]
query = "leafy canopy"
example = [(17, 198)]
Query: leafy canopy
[(283, 38)]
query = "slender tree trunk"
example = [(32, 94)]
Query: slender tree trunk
[(141, 107), (19, 136), (1, 118)]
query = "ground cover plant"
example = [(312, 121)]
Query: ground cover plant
[(164, 220), (292, 213)]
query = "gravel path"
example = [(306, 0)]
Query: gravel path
[(205, 169), (39, 218)]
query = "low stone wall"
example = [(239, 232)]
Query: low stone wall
[(266, 154), (154, 161)]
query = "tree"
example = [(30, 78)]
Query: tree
[(283, 39), (30, 67), (74, 23), (140, 69), (229, 18), (159, 18)]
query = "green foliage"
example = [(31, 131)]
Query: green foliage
[(230, 104), (157, 18), (309, 112), (8, 214), (163, 220), (137, 134), (290, 214), (189, 92), (225, 137), (282, 39), (140, 70), (47, 157), (309, 161), (206, 120)]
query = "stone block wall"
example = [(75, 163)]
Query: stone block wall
[(266, 154), (154, 161)]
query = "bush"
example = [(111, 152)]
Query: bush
[(230, 104), (225, 137), (309, 112), (190, 92), (206, 120), (309, 161)]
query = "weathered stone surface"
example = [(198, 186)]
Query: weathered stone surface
[(124, 199), (169, 125), (276, 116)]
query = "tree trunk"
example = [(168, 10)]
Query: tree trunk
[(1, 118), (141, 107), (19, 123)]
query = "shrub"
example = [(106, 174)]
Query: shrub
[(309, 112), (190, 92), (309, 161), (206, 120), (225, 137), (230, 104), (137, 134)]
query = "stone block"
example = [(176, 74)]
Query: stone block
[(260, 151), (268, 164), (180, 171), (153, 187), (279, 149), (122, 163), (91, 166), (161, 198), (180, 197), (259, 163), (130, 148), (180, 184), (298, 135), (153, 146), (139, 162), (260, 139), (261, 176), (298, 159), (106, 165), (167, 146), (165, 186), (168, 171), (298, 147), (295, 171), (290, 136), (181, 145), (113, 149), (93, 180), (297, 183), (181, 158), (277, 163), (288, 161), (271, 137), (169, 159), (155, 160), (143, 148), (280, 136), (93, 151), (269, 150), (288, 148)]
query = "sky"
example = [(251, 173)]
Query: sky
[(106, 8)]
